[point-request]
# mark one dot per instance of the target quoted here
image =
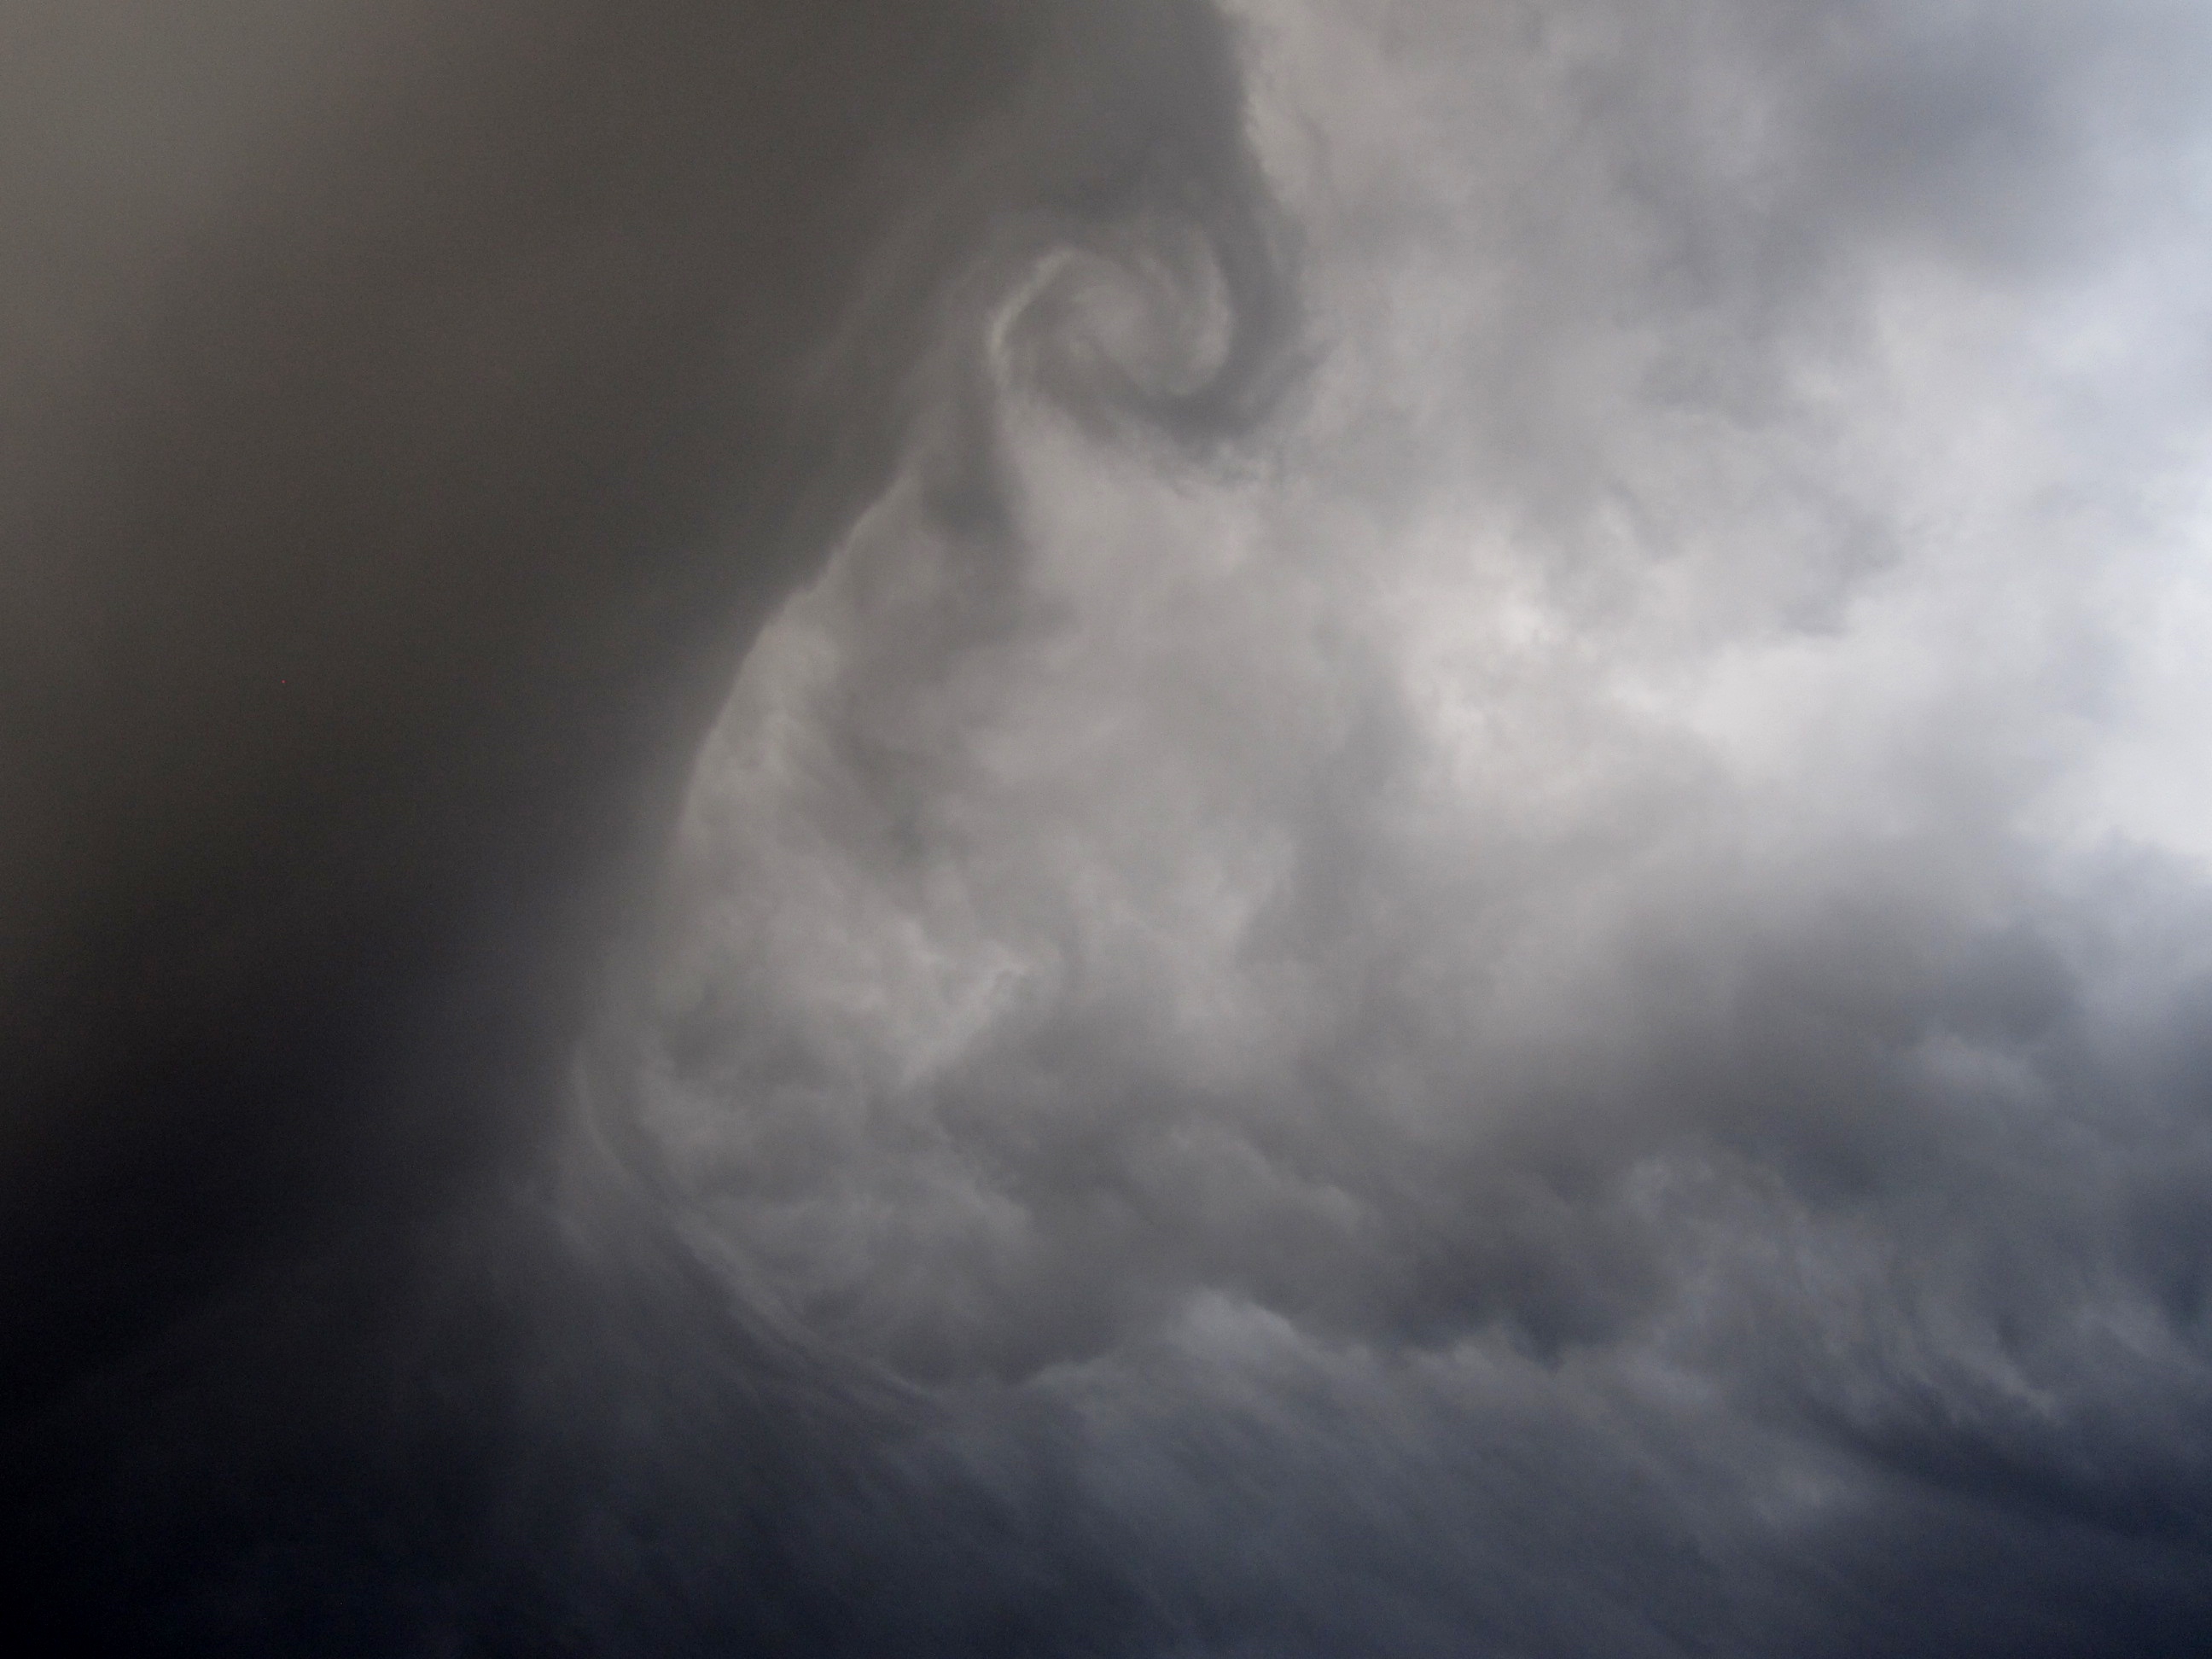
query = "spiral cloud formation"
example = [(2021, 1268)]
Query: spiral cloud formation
[(1561, 1009), (1464, 909)]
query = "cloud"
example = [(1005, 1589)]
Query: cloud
[(1522, 976), (1528, 1010), (410, 417)]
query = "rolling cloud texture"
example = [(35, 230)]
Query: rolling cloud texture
[(1512, 960)]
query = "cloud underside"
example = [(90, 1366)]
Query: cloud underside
[(1561, 1006)]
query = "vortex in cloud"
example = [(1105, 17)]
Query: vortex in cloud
[(1556, 1004)]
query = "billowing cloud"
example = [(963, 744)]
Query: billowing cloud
[(1559, 1008), (1509, 958)]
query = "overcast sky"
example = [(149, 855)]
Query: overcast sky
[(1559, 1004), (1466, 910)]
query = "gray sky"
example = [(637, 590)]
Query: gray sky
[(1463, 910), (1558, 1006)]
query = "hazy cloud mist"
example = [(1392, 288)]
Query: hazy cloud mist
[(1564, 1011), (1466, 913)]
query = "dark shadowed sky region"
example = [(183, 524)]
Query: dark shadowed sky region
[(1108, 828)]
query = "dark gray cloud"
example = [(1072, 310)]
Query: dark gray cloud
[(410, 416), (1525, 977), (1560, 1013)]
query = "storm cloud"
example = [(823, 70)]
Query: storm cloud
[(1466, 913), (1562, 1009)]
